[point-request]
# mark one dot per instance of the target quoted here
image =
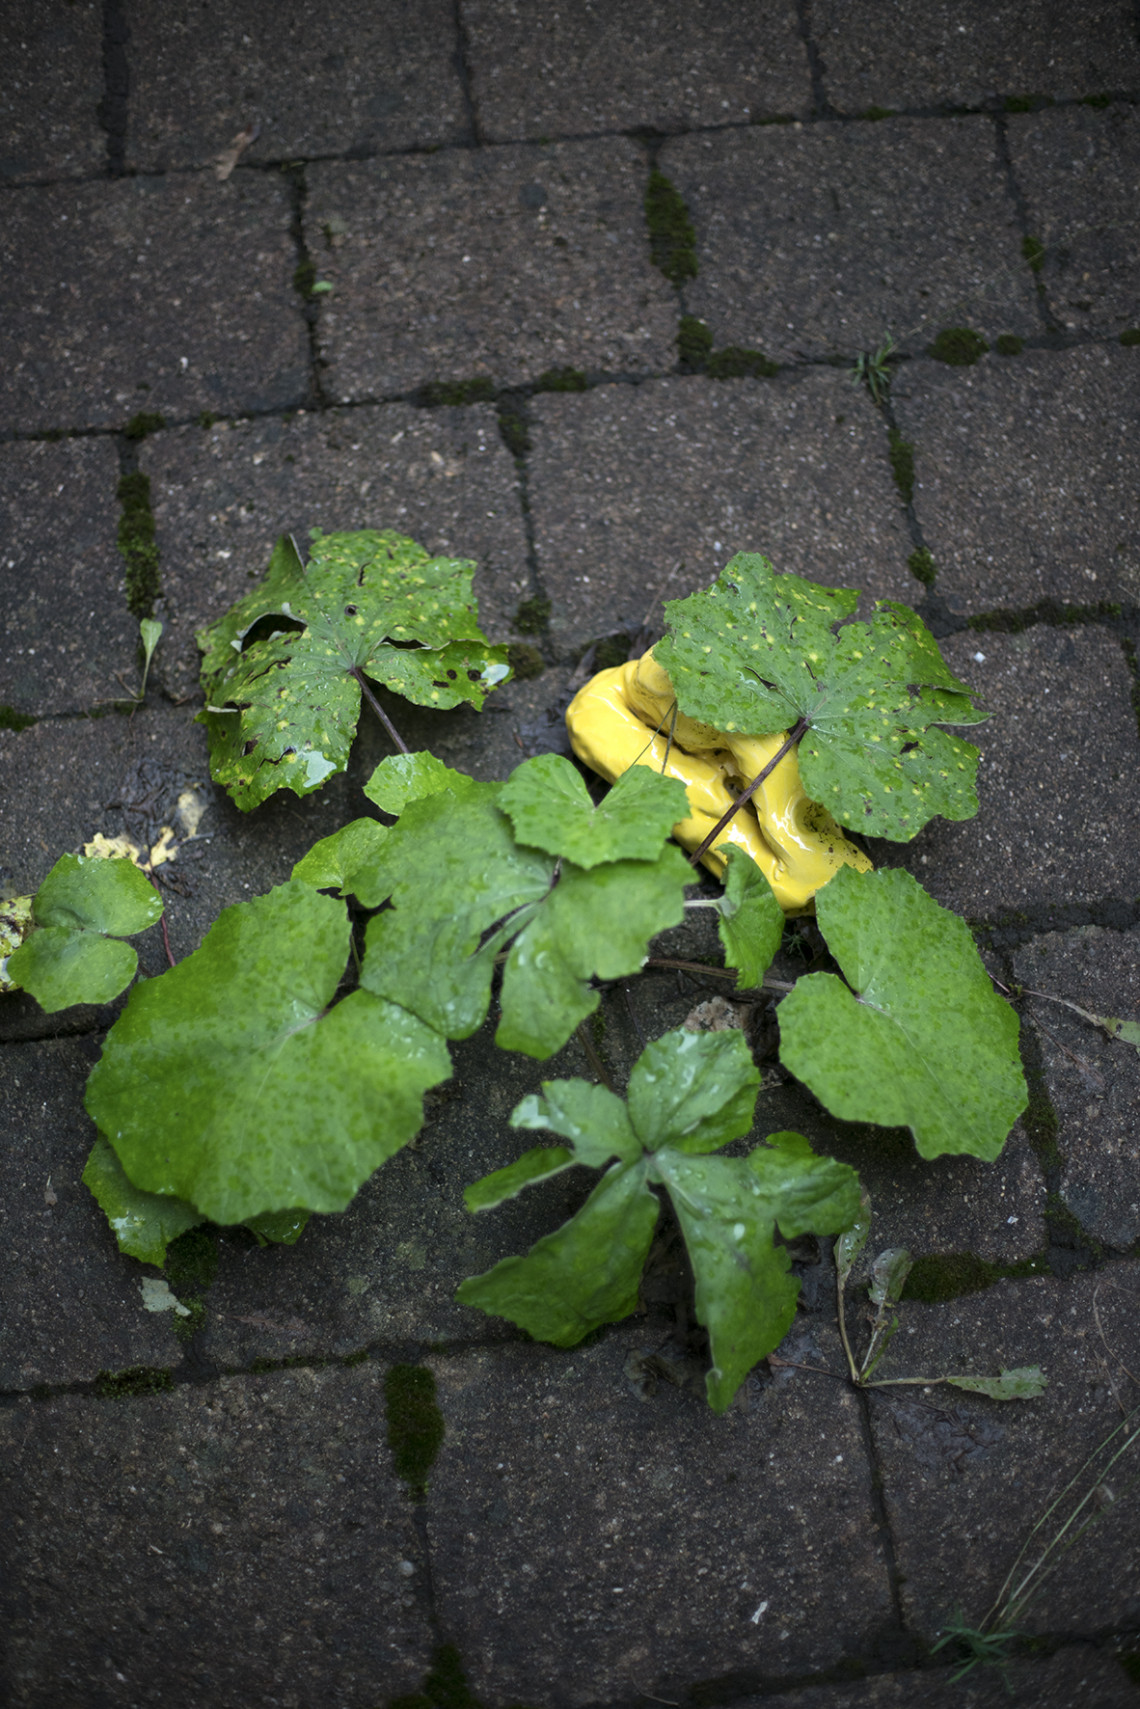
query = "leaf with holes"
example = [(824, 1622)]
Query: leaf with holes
[(462, 889), (214, 1084), (282, 668), (759, 653), (917, 1037), (81, 911)]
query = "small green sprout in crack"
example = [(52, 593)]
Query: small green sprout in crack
[(958, 346), (672, 237), (415, 1424), (975, 1648), (901, 453), (134, 1381), (921, 563)]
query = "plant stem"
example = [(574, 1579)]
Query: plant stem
[(393, 733), (593, 1058), (793, 736), (716, 972), (851, 1365)]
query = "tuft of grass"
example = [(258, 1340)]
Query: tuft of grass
[(901, 453), (872, 369), (672, 236), (959, 346)]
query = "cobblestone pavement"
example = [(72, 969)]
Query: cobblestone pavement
[(427, 297)]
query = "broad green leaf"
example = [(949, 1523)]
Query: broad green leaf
[(729, 1208), (592, 923), (585, 1274), (411, 777), (279, 670), (277, 1228), (333, 862), (921, 1039), (507, 1183), (759, 651), (144, 1224), (1024, 1383), (549, 806), (462, 888), (67, 959), (231, 1083), (592, 1118), (693, 1091), (751, 923), (852, 1241), (888, 1276)]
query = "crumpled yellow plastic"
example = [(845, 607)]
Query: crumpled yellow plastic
[(628, 716)]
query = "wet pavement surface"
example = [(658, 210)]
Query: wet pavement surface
[(216, 1507)]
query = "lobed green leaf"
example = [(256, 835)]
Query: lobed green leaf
[(68, 958), (548, 804), (508, 1183), (751, 923), (333, 862), (693, 1091)]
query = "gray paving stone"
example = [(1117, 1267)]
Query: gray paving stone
[(1027, 475), (221, 499), (1057, 824), (51, 126), (640, 493), (73, 1306), (824, 238), (169, 295), (965, 1478), (143, 1536), (68, 637), (1079, 1674), (340, 80), (642, 1544), (501, 263), (1078, 169), (537, 72), (1093, 1082), (884, 54)]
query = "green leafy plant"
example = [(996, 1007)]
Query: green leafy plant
[(212, 1094), (872, 369)]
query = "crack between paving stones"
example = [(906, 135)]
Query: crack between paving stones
[(113, 108), (303, 278), (466, 82), (821, 106), (1021, 208)]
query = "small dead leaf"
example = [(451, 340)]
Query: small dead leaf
[(716, 1015), (225, 162)]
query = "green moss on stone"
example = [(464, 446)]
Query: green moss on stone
[(1034, 252), (192, 1260), (694, 342), (958, 346), (137, 543), (877, 113), (207, 419), (445, 1686), (610, 652), (135, 1380), (415, 1423), (1131, 335), (143, 423), (457, 392), (304, 278), (561, 380), (533, 615), (672, 238), (1009, 344), (735, 363), (10, 719), (513, 430), (525, 661), (1019, 103), (902, 464), (1098, 101), (922, 566)]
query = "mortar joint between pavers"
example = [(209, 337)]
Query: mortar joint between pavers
[(466, 81), (305, 279), (817, 68), (1032, 248), (113, 110)]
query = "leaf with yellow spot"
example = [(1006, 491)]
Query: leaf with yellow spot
[(281, 670), (872, 694)]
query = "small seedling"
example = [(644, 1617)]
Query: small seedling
[(872, 369), (150, 632)]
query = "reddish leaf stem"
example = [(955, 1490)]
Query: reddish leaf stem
[(393, 733)]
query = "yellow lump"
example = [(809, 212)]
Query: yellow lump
[(625, 717)]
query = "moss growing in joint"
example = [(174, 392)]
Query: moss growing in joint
[(445, 1686), (959, 346), (1131, 335), (137, 543), (457, 392), (415, 1424), (525, 661), (513, 431), (902, 464), (135, 1380), (942, 1276), (1034, 252), (561, 380), (304, 278), (192, 1260), (611, 651), (143, 423), (1009, 344), (10, 719), (207, 419), (1019, 103), (533, 615), (922, 566), (694, 342), (877, 113), (735, 363), (672, 238), (1098, 101)]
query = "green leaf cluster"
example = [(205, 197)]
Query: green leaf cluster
[(690, 1094), (282, 669), (80, 914), (759, 653)]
